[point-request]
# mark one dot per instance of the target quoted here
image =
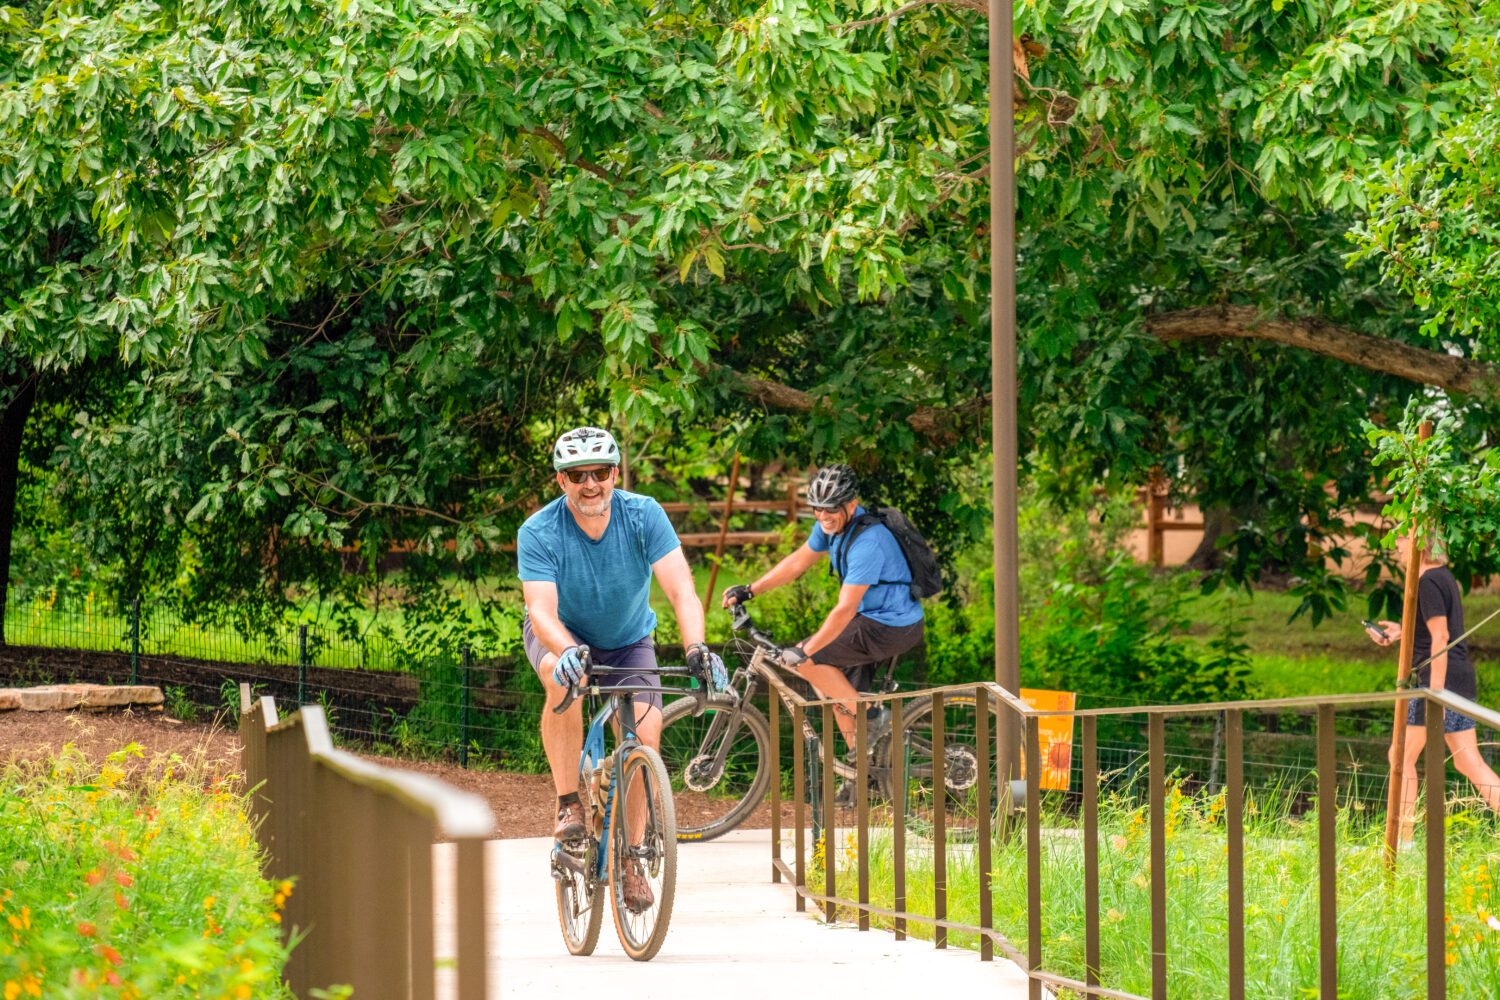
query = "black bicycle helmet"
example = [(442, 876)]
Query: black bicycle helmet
[(832, 486)]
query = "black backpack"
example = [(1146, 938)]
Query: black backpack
[(926, 579)]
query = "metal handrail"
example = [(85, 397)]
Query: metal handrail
[(357, 837), (805, 713)]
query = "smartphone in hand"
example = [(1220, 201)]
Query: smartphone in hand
[(1373, 628)]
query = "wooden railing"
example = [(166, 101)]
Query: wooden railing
[(357, 838)]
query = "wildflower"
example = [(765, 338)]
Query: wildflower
[(87, 929), (1494, 922)]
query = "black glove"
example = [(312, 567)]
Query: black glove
[(708, 665), (793, 655), (739, 593)]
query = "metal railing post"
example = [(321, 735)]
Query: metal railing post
[(898, 819), (465, 661), (939, 822), (983, 744), (1033, 774), (830, 822), (1328, 886), (302, 664), (862, 809), (799, 799), (135, 641), (1091, 850), (1436, 754), (773, 709), (1234, 825), (1157, 808)]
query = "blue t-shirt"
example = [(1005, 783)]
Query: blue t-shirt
[(603, 587), (876, 556)]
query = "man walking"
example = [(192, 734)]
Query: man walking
[(586, 561), (1440, 619)]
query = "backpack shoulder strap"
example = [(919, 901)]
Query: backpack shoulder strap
[(840, 562)]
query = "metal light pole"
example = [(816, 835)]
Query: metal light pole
[(1003, 378)]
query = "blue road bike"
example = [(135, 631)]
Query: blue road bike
[(630, 822)]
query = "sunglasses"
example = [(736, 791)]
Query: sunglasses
[(576, 476), (825, 510)]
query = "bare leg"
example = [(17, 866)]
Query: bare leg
[(1471, 765), (1416, 739), (830, 682), (648, 731), (562, 735)]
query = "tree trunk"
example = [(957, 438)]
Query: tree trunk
[(1217, 522), (22, 398)]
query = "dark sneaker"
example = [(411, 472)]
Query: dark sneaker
[(569, 822), (638, 894), (844, 796)]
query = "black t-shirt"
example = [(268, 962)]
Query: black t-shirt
[(1438, 595)]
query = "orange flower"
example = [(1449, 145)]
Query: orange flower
[(87, 929), (124, 880), (121, 901), (94, 877), (108, 954)]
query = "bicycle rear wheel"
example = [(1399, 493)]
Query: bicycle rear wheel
[(719, 761), (644, 852)]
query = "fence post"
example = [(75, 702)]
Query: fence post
[(135, 641), (463, 733), (301, 664)]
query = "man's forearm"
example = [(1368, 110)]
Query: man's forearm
[(689, 616), (1439, 675), (553, 635)]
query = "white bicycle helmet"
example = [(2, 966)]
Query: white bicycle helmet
[(585, 446)]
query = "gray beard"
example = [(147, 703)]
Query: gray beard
[(591, 508)]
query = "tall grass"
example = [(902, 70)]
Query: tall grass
[(1381, 924), (129, 879)]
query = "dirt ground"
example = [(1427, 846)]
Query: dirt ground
[(523, 804)]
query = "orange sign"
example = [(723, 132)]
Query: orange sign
[(1055, 733)]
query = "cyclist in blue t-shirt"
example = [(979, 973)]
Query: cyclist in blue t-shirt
[(875, 618), (586, 561)]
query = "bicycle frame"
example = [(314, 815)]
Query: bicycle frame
[(619, 704)]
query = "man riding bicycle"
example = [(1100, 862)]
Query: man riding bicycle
[(875, 618), (586, 561)]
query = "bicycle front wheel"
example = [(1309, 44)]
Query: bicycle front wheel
[(643, 853), (580, 909), (718, 763)]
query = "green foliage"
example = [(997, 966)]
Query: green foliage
[(133, 880), (1441, 492), (327, 273)]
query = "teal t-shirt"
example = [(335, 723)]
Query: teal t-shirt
[(603, 587), (875, 557)]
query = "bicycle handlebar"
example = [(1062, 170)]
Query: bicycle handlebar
[(739, 620), (700, 694)]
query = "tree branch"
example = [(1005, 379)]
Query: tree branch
[(940, 425), (1417, 364)]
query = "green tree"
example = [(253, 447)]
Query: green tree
[(359, 261)]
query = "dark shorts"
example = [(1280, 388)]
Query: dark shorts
[(865, 642), (1453, 722), (639, 655)]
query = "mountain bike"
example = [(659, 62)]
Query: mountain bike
[(723, 749), (629, 820)]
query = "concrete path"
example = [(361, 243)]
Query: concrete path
[(734, 934)]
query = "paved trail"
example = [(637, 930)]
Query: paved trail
[(733, 935)]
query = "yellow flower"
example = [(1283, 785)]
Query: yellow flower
[(12, 990)]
